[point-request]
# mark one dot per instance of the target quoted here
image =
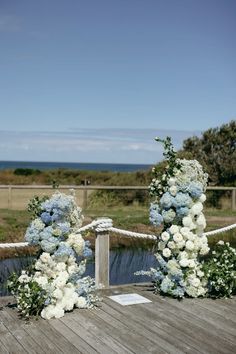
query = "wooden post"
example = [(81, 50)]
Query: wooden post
[(9, 198), (85, 198), (233, 199), (102, 260)]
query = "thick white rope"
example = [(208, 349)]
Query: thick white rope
[(105, 224)]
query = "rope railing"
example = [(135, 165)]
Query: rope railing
[(106, 224)]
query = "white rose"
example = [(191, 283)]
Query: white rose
[(174, 229), (166, 252), (178, 237), (184, 262), (180, 244), (189, 245), (191, 263), (171, 245), (165, 236), (196, 208), (161, 245), (187, 221)]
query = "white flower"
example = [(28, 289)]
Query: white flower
[(77, 242), (166, 252), (189, 245), (195, 282), (42, 281), (58, 294), (171, 245), (81, 302), (45, 257), (180, 244), (173, 190), (204, 250), (202, 198), (187, 221), (201, 221), (178, 237), (165, 236), (191, 263), (161, 245), (196, 208), (174, 229), (221, 243), (171, 181), (24, 278), (184, 262), (200, 273)]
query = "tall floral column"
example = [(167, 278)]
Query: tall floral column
[(178, 205)]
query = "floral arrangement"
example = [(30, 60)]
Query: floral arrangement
[(55, 284), (220, 269), (178, 205)]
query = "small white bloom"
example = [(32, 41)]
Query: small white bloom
[(202, 198), (174, 229), (165, 236), (171, 245), (187, 221), (221, 243), (196, 208), (173, 190), (189, 245), (166, 252), (184, 262), (171, 181), (178, 237)]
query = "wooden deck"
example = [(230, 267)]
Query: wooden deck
[(163, 326)]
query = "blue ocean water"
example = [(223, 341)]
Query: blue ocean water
[(12, 165)]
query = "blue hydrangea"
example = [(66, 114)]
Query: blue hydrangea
[(182, 211), (168, 215), (166, 200), (49, 245), (64, 227), (182, 200), (32, 236), (166, 285), (46, 218), (87, 250), (63, 251), (178, 292), (46, 233), (155, 217), (195, 189)]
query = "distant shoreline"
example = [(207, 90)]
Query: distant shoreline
[(83, 166)]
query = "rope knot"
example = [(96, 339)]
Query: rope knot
[(103, 224)]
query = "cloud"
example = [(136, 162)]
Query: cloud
[(88, 145)]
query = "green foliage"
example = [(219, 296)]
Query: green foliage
[(216, 151), (26, 171), (220, 269), (34, 206), (30, 296)]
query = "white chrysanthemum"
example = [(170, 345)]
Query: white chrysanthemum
[(174, 229), (178, 237), (166, 252), (165, 236)]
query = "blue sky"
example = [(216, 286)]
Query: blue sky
[(96, 81)]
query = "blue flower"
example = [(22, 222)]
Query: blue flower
[(46, 218), (168, 215), (195, 189), (63, 251), (182, 211), (178, 292), (182, 200), (166, 200), (155, 217)]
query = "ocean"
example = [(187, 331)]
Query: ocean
[(12, 165)]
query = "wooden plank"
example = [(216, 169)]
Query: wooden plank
[(211, 334), (72, 337), (118, 329), (10, 342), (158, 329), (100, 330), (43, 343), (87, 335)]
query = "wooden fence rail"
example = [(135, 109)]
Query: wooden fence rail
[(86, 188)]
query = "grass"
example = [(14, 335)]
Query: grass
[(13, 224)]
